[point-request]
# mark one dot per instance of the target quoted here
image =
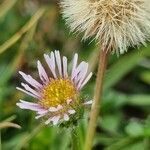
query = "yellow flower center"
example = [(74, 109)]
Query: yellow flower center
[(57, 92)]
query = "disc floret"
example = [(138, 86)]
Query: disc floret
[(57, 92)]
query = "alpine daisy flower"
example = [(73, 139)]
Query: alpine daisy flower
[(116, 24), (58, 95)]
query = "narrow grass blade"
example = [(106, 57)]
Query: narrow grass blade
[(22, 31), (6, 6)]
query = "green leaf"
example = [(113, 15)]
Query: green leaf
[(139, 100), (11, 144), (134, 129), (22, 31), (6, 6), (135, 146), (28, 137), (10, 69), (122, 143), (111, 123), (124, 65), (145, 76)]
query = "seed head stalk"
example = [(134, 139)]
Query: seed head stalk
[(97, 99)]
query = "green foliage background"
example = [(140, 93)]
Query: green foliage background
[(30, 28)]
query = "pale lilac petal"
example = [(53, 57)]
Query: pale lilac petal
[(42, 73), (48, 121), (22, 90), (41, 113), (65, 67), (75, 61), (75, 80), (78, 69), (44, 111), (88, 102), (51, 63), (83, 72), (82, 75), (66, 117), (53, 59), (29, 105), (71, 111), (39, 116), (30, 80), (58, 61), (55, 120), (86, 80), (29, 89), (59, 107), (54, 109)]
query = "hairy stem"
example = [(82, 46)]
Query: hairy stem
[(96, 100)]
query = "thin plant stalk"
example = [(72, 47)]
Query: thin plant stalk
[(96, 100), (74, 139), (0, 141)]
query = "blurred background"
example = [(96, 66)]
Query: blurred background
[(30, 28)]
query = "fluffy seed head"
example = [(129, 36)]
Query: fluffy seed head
[(116, 24)]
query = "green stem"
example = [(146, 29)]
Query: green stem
[(96, 100), (0, 141), (74, 139)]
